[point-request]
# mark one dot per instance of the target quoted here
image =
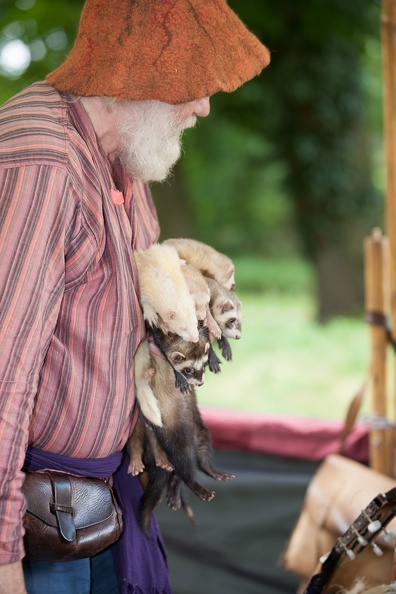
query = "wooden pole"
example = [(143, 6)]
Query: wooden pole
[(376, 250), (388, 33)]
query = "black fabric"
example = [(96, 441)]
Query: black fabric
[(240, 534)]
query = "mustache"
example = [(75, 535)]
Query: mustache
[(189, 123)]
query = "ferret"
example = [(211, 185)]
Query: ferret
[(209, 261), (183, 437), (227, 311), (200, 292), (187, 359), (164, 296)]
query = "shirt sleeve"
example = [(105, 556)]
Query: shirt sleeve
[(35, 219)]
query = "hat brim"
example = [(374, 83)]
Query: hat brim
[(173, 51)]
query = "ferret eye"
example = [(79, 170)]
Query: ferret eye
[(231, 322), (188, 371)]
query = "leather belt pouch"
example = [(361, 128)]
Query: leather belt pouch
[(68, 517)]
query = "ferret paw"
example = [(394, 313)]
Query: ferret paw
[(148, 373), (174, 503), (135, 467), (203, 493), (163, 463), (181, 383), (222, 476), (150, 315), (213, 361), (225, 348), (213, 327)]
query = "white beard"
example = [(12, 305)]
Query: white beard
[(150, 133)]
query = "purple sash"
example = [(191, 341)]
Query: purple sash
[(140, 563)]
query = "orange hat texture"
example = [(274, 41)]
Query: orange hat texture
[(173, 51)]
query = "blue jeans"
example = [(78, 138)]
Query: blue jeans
[(85, 576)]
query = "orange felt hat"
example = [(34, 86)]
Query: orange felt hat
[(173, 51)]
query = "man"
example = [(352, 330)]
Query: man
[(76, 153)]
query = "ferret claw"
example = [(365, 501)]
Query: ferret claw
[(164, 464), (135, 468), (225, 348), (203, 493), (213, 361), (223, 476), (181, 383)]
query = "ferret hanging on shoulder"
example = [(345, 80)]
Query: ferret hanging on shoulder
[(209, 261), (164, 296), (183, 437)]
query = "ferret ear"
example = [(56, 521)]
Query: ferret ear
[(227, 306), (171, 315), (176, 357)]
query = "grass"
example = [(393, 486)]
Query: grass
[(287, 363)]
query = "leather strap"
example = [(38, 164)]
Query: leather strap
[(61, 506), (352, 413), (377, 318)]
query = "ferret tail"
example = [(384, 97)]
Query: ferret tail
[(149, 405)]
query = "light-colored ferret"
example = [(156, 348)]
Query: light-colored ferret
[(209, 261), (183, 437), (164, 295)]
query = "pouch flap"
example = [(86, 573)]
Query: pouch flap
[(91, 499)]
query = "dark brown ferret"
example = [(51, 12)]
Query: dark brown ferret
[(183, 437), (187, 359)]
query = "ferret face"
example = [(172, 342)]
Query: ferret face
[(189, 359), (228, 315), (191, 369)]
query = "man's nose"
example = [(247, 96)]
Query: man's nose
[(202, 107)]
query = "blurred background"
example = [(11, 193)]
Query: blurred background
[(286, 177)]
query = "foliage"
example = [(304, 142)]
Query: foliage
[(46, 27), (306, 116)]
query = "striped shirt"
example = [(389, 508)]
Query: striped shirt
[(70, 320)]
